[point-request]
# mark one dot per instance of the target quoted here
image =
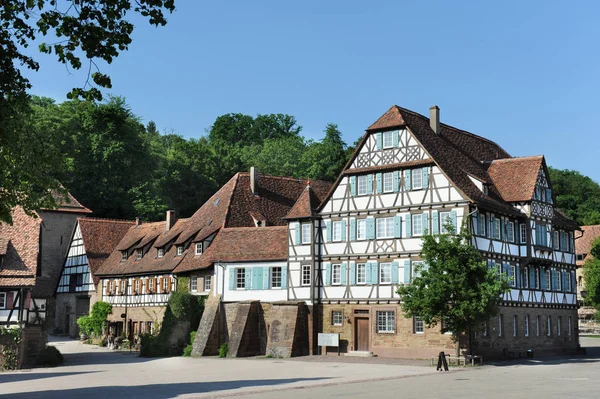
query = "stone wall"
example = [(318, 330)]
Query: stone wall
[(66, 312)]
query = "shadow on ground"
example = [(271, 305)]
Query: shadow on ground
[(155, 391), (27, 376)]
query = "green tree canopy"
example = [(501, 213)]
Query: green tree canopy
[(591, 276), (577, 195), (454, 286)]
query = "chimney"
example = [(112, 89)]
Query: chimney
[(434, 119), (138, 221), (170, 220), (254, 180)]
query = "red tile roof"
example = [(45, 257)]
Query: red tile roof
[(3, 245), (306, 205), (68, 204), (241, 244), (100, 238), (515, 178), (583, 244), (392, 118)]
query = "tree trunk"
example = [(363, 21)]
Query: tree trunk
[(457, 340)]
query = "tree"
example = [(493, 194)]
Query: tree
[(577, 195), (455, 288), (591, 275), (326, 159)]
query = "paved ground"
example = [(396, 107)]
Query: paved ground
[(93, 372)]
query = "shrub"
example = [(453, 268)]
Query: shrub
[(93, 323), (50, 357), (223, 350), (187, 351)]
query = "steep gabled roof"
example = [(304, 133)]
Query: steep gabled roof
[(68, 204), (241, 244), (306, 205), (583, 244), (100, 238), (515, 178), (3, 245), (391, 119)]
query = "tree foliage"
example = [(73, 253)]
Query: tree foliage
[(591, 275), (93, 323), (454, 286), (577, 195)]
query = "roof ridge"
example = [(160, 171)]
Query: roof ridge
[(284, 177), (253, 227), (107, 220), (519, 158)]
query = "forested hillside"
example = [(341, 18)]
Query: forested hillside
[(576, 195)]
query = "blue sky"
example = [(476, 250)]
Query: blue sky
[(522, 73)]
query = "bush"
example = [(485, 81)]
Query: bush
[(92, 324), (50, 357), (187, 351), (223, 350)]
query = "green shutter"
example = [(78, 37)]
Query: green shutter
[(352, 273), (406, 271), (396, 181), (264, 277), (368, 268), (409, 226), (542, 279), (284, 277), (398, 226), (344, 272), (435, 223), (549, 195), (518, 277), (425, 177), (426, 229), (256, 284), (370, 228), (407, 180), (353, 186), (369, 184), (232, 278), (327, 273), (352, 229), (379, 140), (475, 221), (343, 223), (395, 266), (379, 181), (396, 136), (298, 233), (329, 232), (374, 273), (248, 282)]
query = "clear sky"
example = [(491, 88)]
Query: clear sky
[(522, 73)]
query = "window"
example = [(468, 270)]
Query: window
[(417, 225), (276, 277), (362, 184), (500, 325), (526, 321), (207, 283), (580, 256), (306, 275), (2, 300), (558, 280), (337, 231), (388, 182), (549, 326), (481, 228), (548, 280), (556, 239), (361, 229), (510, 231), (165, 284), (525, 277), (385, 273), (361, 273), (136, 286), (515, 326), (388, 139), (513, 274), (240, 277), (337, 318), (194, 284), (496, 229), (386, 321), (385, 227), (306, 233), (417, 179), (138, 253), (123, 256), (160, 252), (198, 248), (444, 219), (537, 279), (537, 326), (523, 233), (419, 326), (568, 282), (179, 250), (558, 325), (122, 288), (417, 265), (336, 274)]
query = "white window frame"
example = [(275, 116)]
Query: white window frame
[(525, 277), (3, 299), (305, 233), (362, 183), (417, 221), (165, 286), (361, 273), (417, 179), (207, 283), (556, 239), (336, 233), (497, 227), (179, 250), (513, 271), (523, 233), (276, 276), (198, 248), (139, 253), (337, 318), (526, 321), (388, 182), (385, 273), (500, 321), (510, 231), (384, 227), (160, 252), (558, 280), (444, 216), (361, 229), (123, 286), (240, 278), (306, 275), (194, 283), (388, 140), (481, 229), (418, 325), (386, 321), (124, 256), (336, 274), (568, 287), (136, 285)]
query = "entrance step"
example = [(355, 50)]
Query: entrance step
[(361, 354)]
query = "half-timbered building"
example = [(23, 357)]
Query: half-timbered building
[(92, 242)]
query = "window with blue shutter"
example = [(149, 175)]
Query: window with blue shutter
[(232, 278), (435, 223), (255, 278), (407, 272), (328, 231), (298, 232), (353, 186), (374, 272), (396, 138), (426, 229), (369, 184), (542, 279), (407, 180), (248, 281), (532, 277), (352, 273), (352, 229), (379, 179), (344, 281), (397, 226), (343, 223), (453, 219), (425, 177), (395, 267), (370, 228), (327, 273), (518, 277), (265, 277), (396, 181), (379, 140), (408, 221), (368, 266), (284, 277)]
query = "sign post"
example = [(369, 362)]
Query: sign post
[(325, 340)]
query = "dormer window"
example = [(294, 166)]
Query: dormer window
[(160, 252), (123, 256), (138, 253), (179, 250), (198, 249)]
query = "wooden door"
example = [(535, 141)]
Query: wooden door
[(361, 334)]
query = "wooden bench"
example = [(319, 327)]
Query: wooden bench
[(460, 360)]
